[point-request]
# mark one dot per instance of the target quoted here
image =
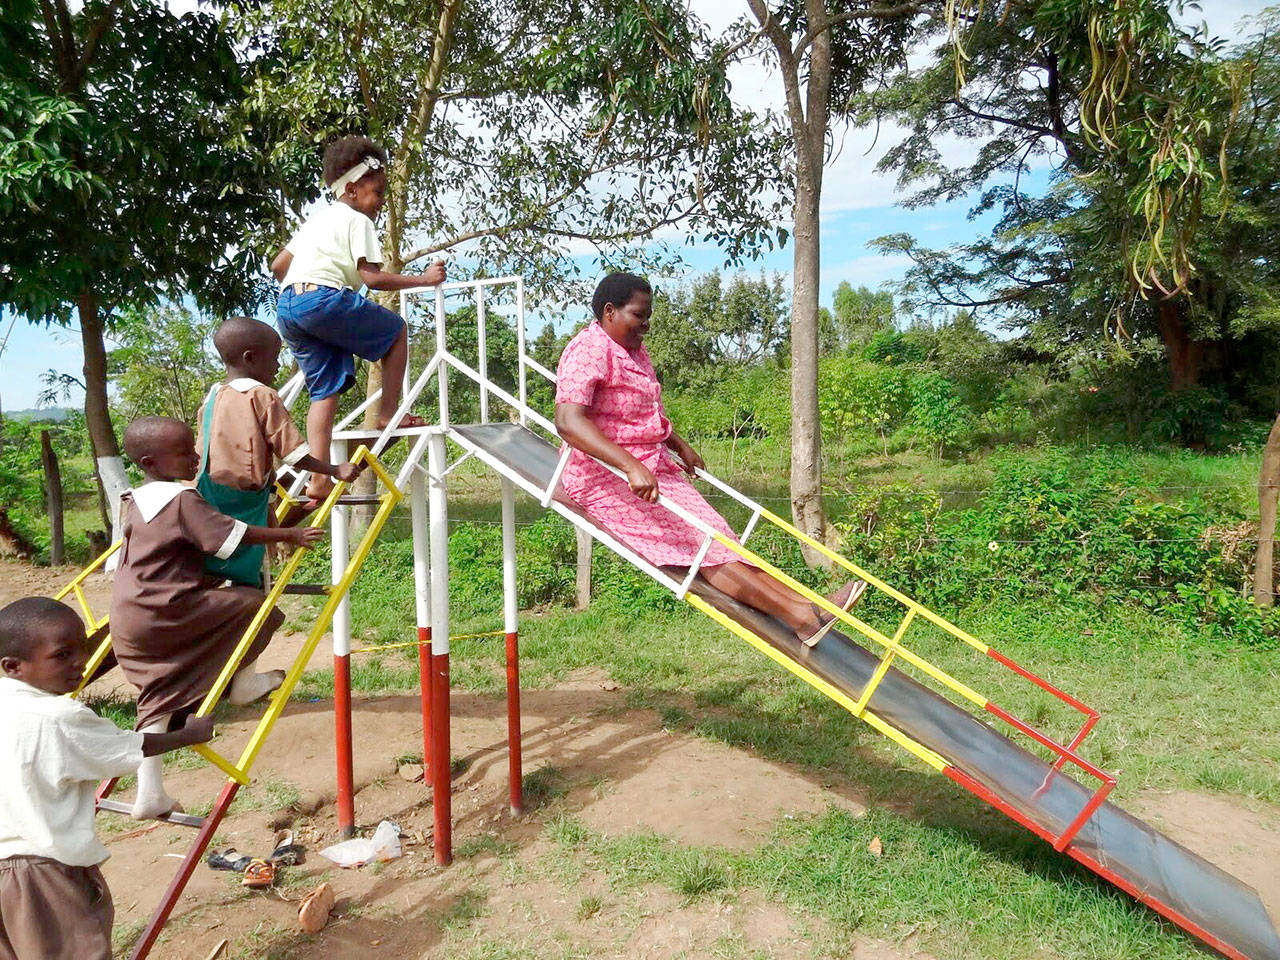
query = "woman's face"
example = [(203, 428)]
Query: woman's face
[(628, 324)]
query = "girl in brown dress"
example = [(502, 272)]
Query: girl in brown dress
[(172, 627)]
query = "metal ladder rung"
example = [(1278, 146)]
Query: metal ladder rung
[(179, 819), (308, 589)]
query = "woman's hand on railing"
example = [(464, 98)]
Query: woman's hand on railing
[(642, 481)]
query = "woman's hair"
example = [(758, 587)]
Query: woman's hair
[(618, 289), (341, 155)]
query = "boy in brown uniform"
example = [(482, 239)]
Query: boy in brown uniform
[(54, 903), (242, 427), (172, 628)]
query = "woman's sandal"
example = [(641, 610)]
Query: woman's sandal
[(286, 853), (313, 914), (228, 859), (856, 589), (259, 873)]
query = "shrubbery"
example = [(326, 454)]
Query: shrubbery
[(1070, 527)]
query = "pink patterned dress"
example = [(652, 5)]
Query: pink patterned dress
[(624, 399)]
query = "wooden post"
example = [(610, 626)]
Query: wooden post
[(52, 496), (582, 593), (1268, 486)]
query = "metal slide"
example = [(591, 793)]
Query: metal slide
[(1182, 886)]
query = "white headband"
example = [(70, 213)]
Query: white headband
[(339, 186)]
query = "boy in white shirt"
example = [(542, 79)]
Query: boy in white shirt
[(321, 314), (54, 903)]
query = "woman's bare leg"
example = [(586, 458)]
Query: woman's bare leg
[(755, 588)]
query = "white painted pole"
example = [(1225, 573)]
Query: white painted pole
[(443, 372), (482, 356), (522, 372), (509, 600)]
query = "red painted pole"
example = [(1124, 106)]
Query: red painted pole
[(174, 891), (514, 767), (441, 801), (424, 690), (342, 743)]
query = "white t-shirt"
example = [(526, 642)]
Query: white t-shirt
[(53, 752), (328, 246)]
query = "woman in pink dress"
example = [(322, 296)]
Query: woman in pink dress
[(609, 406)]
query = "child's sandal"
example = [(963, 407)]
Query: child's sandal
[(286, 853), (229, 859), (259, 873), (313, 914)]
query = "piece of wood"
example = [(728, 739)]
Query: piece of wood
[(218, 951), (52, 496), (582, 586)]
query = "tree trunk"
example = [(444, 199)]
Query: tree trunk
[(97, 413), (582, 585), (52, 496), (1268, 487), (806, 431), (1185, 354)]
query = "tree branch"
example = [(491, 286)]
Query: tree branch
[(900, 12)]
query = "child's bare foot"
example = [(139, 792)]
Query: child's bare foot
[(407, 422), (844, 598), (153, 806), (318, 488), (247, 686)]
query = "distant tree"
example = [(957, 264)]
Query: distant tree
[(707, 325), (855, 317), (164, 362)]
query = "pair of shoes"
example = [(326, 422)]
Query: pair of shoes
[(844, 598)]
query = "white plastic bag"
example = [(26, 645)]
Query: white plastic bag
[(383, 845)]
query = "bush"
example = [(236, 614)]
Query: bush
[(1077, 527)]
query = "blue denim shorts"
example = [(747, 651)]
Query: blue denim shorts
[(327, 328)]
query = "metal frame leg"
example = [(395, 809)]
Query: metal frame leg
[(510, 613), (173, 893), (342, 666), (441, 786), (422, 606)]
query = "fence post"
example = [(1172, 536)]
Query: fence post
[(53, 496), (582, 593)]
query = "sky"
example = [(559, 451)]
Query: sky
[(858, 205)]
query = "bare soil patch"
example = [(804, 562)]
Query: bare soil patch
[(1240, 837)]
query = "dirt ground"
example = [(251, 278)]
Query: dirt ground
[(510, 891)]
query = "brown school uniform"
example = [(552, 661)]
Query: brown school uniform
[(250, 425), (53, 911), (171, 630)]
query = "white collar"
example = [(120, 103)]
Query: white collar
[(243, 384), (151, 498), (14, 686)]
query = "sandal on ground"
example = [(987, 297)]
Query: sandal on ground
[(228, 859), (286, 853), (259, 873), (313, 914), (844, 598)]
